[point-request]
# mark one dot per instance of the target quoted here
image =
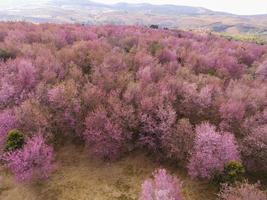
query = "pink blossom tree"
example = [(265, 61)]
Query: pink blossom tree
[(232, 114), (179, 143), (156, 123), (18, 78), (105, 138), (65, 104), (163, 186), (254, 149), (243, 191), (34, 161), (32, 117), (212, 150)]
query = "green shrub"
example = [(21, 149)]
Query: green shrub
[(15, 140), (212, 72), (233, 171), (4, 55), (155, 47)]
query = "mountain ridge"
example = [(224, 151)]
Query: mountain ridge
[(169, 16)]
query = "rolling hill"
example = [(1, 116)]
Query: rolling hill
[(170, 16)]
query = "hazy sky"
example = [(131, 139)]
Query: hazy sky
[(233, 6)]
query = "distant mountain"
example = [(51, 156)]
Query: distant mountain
[(144, 7), (162, 9), (170, 16), (76, 2)]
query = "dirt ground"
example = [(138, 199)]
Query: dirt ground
[(79, 177)]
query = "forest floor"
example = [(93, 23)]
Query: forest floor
[(79, 177)]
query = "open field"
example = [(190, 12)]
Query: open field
[(84, 178)]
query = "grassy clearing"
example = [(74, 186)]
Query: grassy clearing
[(81, 178), (255, 38)]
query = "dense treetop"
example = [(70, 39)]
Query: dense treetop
[(121, 88)]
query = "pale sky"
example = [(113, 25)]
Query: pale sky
[(244, 7)]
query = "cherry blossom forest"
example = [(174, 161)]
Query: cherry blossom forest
[(191, 100)]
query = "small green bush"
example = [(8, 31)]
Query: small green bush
[(4, 55), (15, 140), (155, 47), (233, 171), (212, 72)]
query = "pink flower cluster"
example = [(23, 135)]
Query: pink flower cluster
[(244, 191), (163, 186), (33, 161), (212, 150)]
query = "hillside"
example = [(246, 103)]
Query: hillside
[(171, 16), (130, 112)]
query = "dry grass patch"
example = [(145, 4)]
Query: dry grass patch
[(81, 178)]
